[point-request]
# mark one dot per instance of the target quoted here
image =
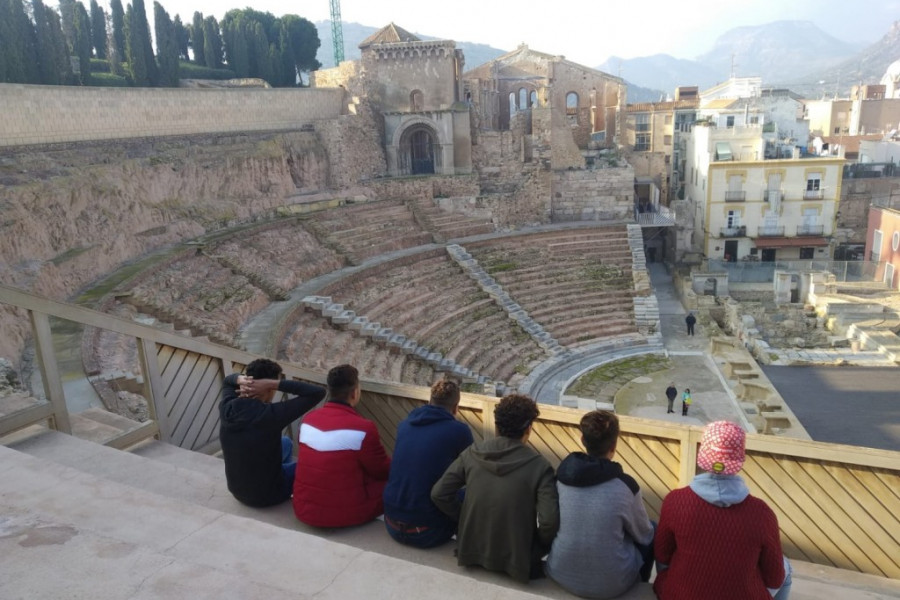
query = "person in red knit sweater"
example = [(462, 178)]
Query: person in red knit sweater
[(714, 539)]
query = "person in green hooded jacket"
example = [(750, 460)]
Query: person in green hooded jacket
[(509, 514)]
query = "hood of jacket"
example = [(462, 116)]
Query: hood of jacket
[(241, 412), (720, 490), (428, 414), (582, 470), (501, 455)]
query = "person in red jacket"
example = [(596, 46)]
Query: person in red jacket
[(342, 467), (714, 539)]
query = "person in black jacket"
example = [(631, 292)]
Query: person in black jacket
[(259, 466)]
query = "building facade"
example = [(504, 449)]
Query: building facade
[(750, 207)]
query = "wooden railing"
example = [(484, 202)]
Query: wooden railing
[(836, 505)]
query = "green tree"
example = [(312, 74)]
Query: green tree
[(138, 47), (197, 41), (18, 44), (83, 42), (182, 38), (235, 39), (212, 43), (67, 14), (166, 47), (59, 50), (98, 30), (303, 41), (260, 65), (117, 16)]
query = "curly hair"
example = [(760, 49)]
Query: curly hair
[(513, 414), (445, 393), (263, 368), (600, 431)]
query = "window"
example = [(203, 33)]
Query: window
[(807, 253), (416, 101), (512, 103), (667, 140), (523, 98), (642, 122), (572, 107), (642, 142), (814, 182), (729, 121), (754, 120), (837, 130), (733, 219), (875, 252), (895, 241), (532, 99)]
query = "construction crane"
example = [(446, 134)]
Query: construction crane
[(337, 32)]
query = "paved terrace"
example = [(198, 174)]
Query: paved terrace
[(81, 520)]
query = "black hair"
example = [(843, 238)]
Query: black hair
[(263, 368), (513, 414)]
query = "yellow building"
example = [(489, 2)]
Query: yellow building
[(749, 207)]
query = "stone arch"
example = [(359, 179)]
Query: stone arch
[(419, 148)]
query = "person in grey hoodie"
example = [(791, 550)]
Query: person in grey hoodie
[(604, 545), (510, 512)]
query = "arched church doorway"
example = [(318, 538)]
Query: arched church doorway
[(418, 149)]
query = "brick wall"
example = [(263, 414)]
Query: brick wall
[(34, 114)]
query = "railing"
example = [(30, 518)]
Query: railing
[(813, 194), (810, 229), (836, 505), (773, 231), (744, 271), (733, 196), (732, 232)]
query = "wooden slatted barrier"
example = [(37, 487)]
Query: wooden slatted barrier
[(837, 505)]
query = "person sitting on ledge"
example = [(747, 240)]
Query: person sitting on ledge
[(714, 539), (259, 465), (510, 511), (605, 540), (342, 467), (428, 440)]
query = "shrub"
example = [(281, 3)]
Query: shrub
[(188, 70), (108, 80)]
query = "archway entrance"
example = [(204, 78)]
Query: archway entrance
[(419, 152)]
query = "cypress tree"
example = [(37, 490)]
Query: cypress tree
[(83, 42), (19, 44), (59, 50), (197, 41), (235, 39), (138, 47), (117, 16), (182, 38), (166, 47), (98, 30), (212, 43), (67, 14)]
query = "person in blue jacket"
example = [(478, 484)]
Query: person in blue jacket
[(428, 441)]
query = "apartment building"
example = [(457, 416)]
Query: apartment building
[(752, 200)]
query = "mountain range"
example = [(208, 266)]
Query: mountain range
[(793, 54)]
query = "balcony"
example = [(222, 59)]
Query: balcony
[(810, 229), (771, 231), (813, 194), (735, 196), (733, 232)]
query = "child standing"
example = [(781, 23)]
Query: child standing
[(685, 401)]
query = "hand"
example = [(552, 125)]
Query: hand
[(255, 388)]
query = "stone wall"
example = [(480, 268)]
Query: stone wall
[(36, 114), (593, 195), (353, 145)]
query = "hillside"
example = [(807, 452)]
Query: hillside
[(659, 72), (355, 33), (867, 66)]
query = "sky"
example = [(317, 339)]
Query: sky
[(585, 31)]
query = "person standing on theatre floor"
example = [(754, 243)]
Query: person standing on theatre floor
[(686, 401), (671, 394), (259, 466), (690, 320), (428, 440)]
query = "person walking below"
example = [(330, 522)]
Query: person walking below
[(671, 394), (690, 320), (685, 401)]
